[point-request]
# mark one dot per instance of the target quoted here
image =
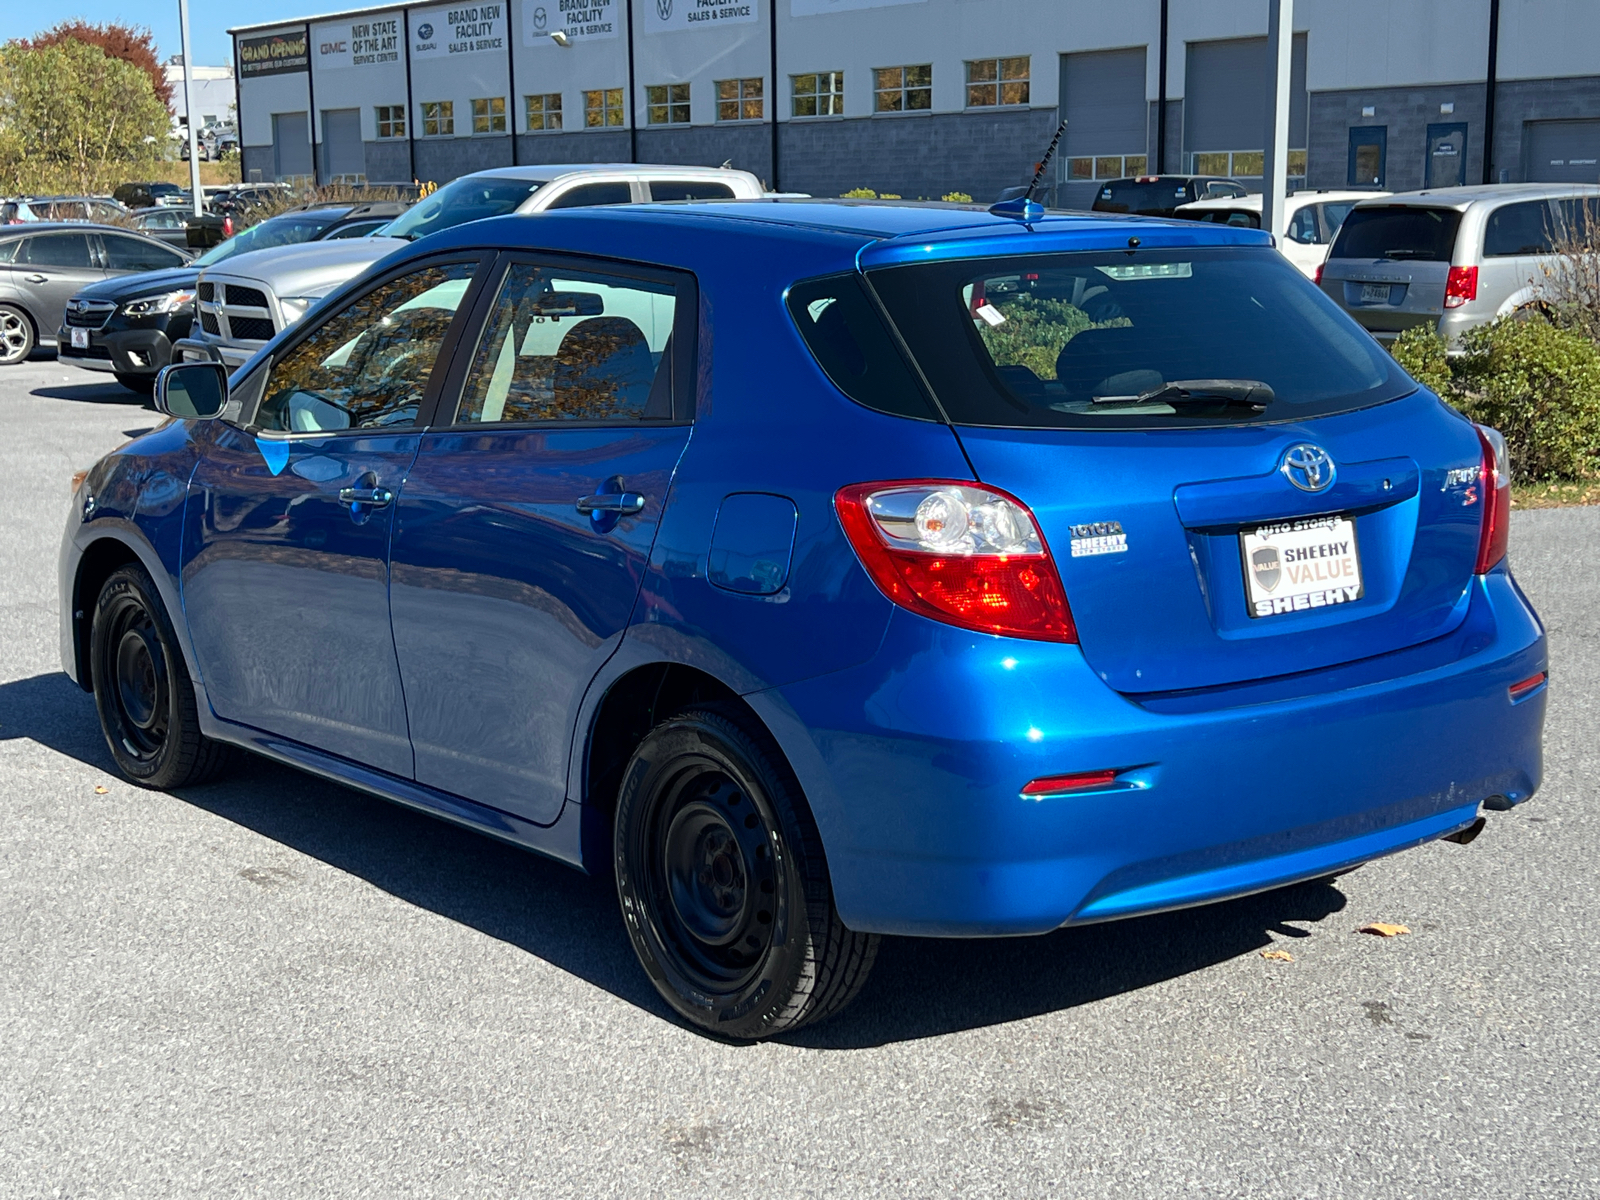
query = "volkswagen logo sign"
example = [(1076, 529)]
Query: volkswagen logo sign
[(664, 9), (1310, 468)]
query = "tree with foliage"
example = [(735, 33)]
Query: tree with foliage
[(73, 118), (132, 44)]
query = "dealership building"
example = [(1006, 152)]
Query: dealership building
[(926, 97)]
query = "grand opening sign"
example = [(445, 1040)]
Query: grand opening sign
[(275, 54)]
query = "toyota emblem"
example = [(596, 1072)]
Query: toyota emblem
[(1309, 467)]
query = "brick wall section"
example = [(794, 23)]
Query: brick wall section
[(388, 161), (916, 156), (1407, 113), (607, 146), (745, 147), (442, 159)]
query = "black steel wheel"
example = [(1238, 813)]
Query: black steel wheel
[(142, 689), (723, 884)]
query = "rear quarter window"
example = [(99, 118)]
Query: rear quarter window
[(1524, 228), (1398, 232), (841, 327)]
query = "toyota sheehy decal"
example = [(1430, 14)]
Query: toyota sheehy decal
[(1308, 466), (1098, 537)]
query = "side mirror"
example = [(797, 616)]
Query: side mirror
[(195, 391)]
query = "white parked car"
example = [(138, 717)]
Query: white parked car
[(246, 302), (1456, 257), (1314, 219)]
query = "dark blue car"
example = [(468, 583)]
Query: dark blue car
[(824, 571)]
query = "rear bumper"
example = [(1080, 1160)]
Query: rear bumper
[(914, 764)]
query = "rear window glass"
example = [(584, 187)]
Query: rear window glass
[(1108, 339), (662, 189), (1417, 234), (1159, 196), (1519, 229), (842, 329), (1240, 217)]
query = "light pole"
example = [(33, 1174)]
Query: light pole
[(1280, 50), (188, 109)]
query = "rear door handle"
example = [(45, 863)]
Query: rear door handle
[(376, 497), (37, 278), (625, 503)]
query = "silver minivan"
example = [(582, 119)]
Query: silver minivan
[(1451, 257)]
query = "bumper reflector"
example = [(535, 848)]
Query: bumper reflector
[(1519, 690), (1058, 785)]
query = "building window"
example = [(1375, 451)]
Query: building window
[(543, 112), (992, 82), (489, 116), (668, 104), (819, 95), (902, 89), (739, 99), (1243, 164), (1106, 166), (438, 118), (602, 108), (391, 121)]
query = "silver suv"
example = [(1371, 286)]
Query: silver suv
[(1452, 257), (249, 299)]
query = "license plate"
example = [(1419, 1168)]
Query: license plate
[(1295, 566), (1374, 293), (80, 339)]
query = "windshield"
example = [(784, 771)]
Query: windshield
[(468, 199), (1397, 231), (1133, 338), (279, 231)]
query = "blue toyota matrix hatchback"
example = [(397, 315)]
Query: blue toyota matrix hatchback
[(822, 571)]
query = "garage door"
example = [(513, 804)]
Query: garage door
[(1225, 95), (291, 145), (1562, 151), (343, 153)]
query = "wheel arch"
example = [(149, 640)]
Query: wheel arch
[(103, 556)]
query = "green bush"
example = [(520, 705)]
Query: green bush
[(859, 194), (956, 198), (1539, 385)]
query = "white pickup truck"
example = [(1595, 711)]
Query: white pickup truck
[(250, 298)]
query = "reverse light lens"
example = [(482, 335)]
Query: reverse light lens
[(965, 555), (1495, 477), (1460, 286), (1060, 785)]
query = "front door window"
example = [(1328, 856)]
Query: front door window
[(368, 366)]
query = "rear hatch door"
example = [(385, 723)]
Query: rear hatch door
[(1155, 511), (1389, 264)]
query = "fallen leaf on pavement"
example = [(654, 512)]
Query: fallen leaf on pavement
[(1383, 930), (100, 790), (1278, 955)]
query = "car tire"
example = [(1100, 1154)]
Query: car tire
[(142, 689), (723, 884), (143, 385), (17, 338)]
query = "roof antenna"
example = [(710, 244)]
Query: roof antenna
[(1024, 207)]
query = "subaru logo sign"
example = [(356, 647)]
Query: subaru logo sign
[(425, 31), (1309, 467)]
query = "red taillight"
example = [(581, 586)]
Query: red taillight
[(1058, 785), (958, 553), (1519, 690), (227, 227), (1317, 278), (1460, 286), (1495, 481)]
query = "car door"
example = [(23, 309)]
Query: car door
[(1515, 237), (1302, 241), (525, 525), (285, 573), (48, 270)]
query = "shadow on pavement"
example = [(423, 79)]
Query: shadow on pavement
[(99, 390), (920, 987)]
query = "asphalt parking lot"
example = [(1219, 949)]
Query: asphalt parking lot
[(274, 986)]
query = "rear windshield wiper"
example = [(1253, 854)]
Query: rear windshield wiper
[(1246, 393)]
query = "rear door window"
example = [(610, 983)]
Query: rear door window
[(1514, 229), (673, 189), (1125, 340), (138, 254), (58, 250), (586, 195), (1398, 232), (1303, 227)]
